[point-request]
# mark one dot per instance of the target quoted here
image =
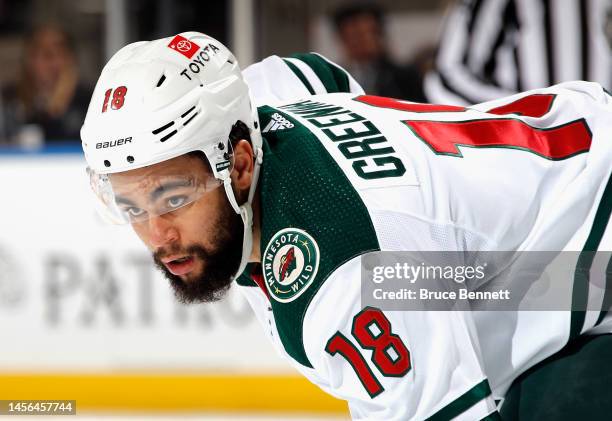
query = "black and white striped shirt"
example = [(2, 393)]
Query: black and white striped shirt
[(493, 48)]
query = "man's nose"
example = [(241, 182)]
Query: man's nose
[(161, 231)]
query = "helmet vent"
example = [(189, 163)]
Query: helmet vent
[(168, 136), (189, 115), (162, 128), (188, 111), (161, 80), (190, 118)]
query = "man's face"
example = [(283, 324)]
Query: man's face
[(197, 246), (362, 38), (48, 57)]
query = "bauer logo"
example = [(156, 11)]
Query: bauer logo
[(184, 46), (220, 166), (290, 264), (113, 143)]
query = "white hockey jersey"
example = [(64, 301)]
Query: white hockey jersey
[(276, 79), (344, 175)]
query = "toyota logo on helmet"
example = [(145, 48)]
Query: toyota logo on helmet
[(183, 45)]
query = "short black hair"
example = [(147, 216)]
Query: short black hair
[(345, 13), (240, 131)]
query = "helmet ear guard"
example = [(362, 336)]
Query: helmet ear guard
[(178, 95)]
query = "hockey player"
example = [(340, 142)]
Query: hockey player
[(303, 186)]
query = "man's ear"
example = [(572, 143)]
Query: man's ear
[(242, 173)]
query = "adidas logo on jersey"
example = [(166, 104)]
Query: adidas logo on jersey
[(278, 122)]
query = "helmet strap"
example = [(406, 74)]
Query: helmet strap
[(245, 211)]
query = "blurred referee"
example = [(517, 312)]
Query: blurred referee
[(494, 48)]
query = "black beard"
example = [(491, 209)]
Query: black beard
[(219, 265)]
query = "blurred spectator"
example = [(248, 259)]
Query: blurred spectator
[(361, 30), (494, 48), (46, 102)]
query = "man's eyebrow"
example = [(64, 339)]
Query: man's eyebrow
[(120, 200), (171, 185)]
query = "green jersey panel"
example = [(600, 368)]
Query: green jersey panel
[(313, 220)]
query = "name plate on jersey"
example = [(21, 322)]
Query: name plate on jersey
[(365, 152)]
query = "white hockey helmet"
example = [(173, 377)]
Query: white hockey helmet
[(161, 99)]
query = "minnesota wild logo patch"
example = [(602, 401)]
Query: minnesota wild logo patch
[(290, 264)]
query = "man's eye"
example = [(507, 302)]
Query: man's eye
[(176, 201), (134, 212)]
